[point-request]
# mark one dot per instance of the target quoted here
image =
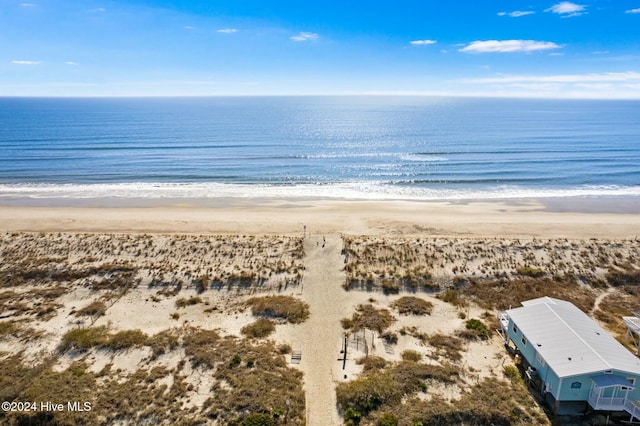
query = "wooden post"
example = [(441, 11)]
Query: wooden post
[(344, 360)]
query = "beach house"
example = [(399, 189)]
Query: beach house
[(574, 363)]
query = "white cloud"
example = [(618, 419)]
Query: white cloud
[(304, 36), (189, 27), (100, 10), (507, 46), (227, 30), (632, 10), (26, 62), (630, 76), (423, 42), (516, 13), (28, 5), (567, 9), (70, 63)]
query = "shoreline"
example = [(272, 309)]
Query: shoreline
[(614, 204), (571, 218)]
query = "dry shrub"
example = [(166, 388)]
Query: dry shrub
[(505, 294), (84, 338), (72, 384), (96, 308), (8, 327), (367, 316), (371, 362), (258, 329), (182, 302), (361, 396), (289, 308), (87, 338), (411, 355), (629, 276), (410, 305), (385, 389), (491, 401), (200, 345), (614, 306), (449, 347), (163, 342), (452, 296), (126, 339)]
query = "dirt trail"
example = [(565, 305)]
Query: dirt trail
[(596, 303), (320, 336)]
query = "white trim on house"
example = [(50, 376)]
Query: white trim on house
[(569, 341)]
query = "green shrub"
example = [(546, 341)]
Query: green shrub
[(258, 420), (388, 419), (235, 361), (529, 271), (512, 372), (352, 416), (479, 328)]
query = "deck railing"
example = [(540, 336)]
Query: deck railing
[(599, 402), (632, 408)]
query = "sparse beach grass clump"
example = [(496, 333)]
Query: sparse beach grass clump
[(86, 338), (286, 308), (119, 262), (94, 309), (183, 302), (410, 305), (394, 264)]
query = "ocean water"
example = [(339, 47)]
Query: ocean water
[(353, 147)]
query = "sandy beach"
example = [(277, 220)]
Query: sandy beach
[(571, 218), (175, 271)]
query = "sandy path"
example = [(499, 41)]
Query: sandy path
[(319, 337)]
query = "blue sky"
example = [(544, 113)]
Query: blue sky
[(235, 47)]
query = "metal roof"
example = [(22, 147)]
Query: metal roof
[(608, 380), (570, 342)]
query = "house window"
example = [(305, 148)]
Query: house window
[(515, 329), (632, 380), (524, 341), (576, 385), (540, 360)]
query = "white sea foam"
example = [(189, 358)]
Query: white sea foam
[(346, 190)]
